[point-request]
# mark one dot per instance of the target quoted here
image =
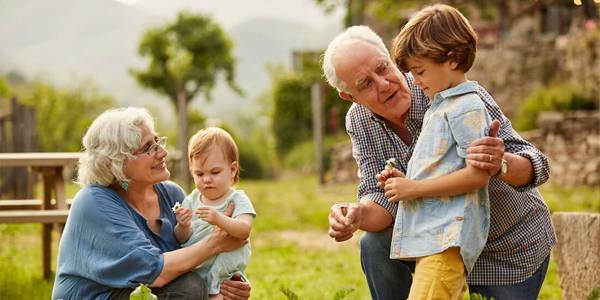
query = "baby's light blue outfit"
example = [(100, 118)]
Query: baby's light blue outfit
[(430, 225), (226, 264)]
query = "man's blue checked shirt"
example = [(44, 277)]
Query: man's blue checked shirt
[(521, 233)]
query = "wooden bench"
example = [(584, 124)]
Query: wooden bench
[(52, 208), (24, 204), (47, 218), (34, 216)]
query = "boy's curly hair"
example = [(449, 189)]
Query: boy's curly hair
[(440, 33)]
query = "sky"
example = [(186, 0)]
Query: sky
[(232, 12)]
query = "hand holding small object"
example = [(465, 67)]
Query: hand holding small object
[(183, 216), (209, 215), (390, 171)]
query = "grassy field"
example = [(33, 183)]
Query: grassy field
[(292, 256)]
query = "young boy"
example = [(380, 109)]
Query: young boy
[(214, 164), (443, 218)]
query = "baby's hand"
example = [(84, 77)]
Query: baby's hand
[(209, 215), (184, 216)]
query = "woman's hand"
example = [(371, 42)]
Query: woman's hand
[(235, 289), (184, 216)]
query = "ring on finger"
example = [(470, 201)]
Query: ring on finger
[(490, 157)]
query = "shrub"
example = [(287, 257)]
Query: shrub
[(557, 98)]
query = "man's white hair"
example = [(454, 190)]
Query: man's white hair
[(357, 33), (111, 139)]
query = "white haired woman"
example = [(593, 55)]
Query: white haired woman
[(120, 228)]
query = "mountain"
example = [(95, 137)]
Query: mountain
[(65, 40)]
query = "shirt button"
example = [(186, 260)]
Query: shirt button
[(460, 218)]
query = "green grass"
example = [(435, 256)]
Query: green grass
[(293, 258), (21, 262)]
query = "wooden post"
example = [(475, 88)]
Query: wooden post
[(317, 117), (47, 228), (183, 136), (23, 140)]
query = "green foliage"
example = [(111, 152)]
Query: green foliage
[(20, 263), (142, 292), (302, 156), (289, 294), (562, 198), (64, 114), (292, 121), (475, 296), (4, 90), (594, 294), (292, 110), (186, 57), (254, 162), (556, 98), (341, 294)]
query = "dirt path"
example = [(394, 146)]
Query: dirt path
[(312, 239)]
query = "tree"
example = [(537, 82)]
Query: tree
[(64, 114), (185, 58)]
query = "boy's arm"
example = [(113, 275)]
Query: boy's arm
[(238, 227), (458, 182)]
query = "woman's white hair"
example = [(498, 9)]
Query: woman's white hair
[(359, 33), (109, 142)]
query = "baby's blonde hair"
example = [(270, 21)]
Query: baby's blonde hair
[(440, 33), (214, 137)]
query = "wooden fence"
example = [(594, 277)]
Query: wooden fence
[(17, 134)]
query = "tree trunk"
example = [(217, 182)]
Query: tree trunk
[(183, 139)]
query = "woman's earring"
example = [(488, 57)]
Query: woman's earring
[(124, 185)]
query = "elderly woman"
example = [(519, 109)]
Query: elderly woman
[(120, 228)]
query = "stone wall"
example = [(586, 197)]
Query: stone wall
[(571, 140), (577, 253), (343, 166)]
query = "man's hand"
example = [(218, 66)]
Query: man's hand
[(344, 220), (486, 153), (184, 216), (400, 188), (209, 215)]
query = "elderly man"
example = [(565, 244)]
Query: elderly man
[(384, 122)]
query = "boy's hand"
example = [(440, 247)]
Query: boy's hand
[(184, 216), (386, 174), (209, 215), (399, 188)]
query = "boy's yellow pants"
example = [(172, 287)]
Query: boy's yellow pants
[(439, 276)]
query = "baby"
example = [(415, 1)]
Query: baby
[(214, 164)]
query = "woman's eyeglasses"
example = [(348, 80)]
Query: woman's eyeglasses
[(153, 148)]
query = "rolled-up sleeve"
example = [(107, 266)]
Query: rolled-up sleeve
[(515, 144)]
